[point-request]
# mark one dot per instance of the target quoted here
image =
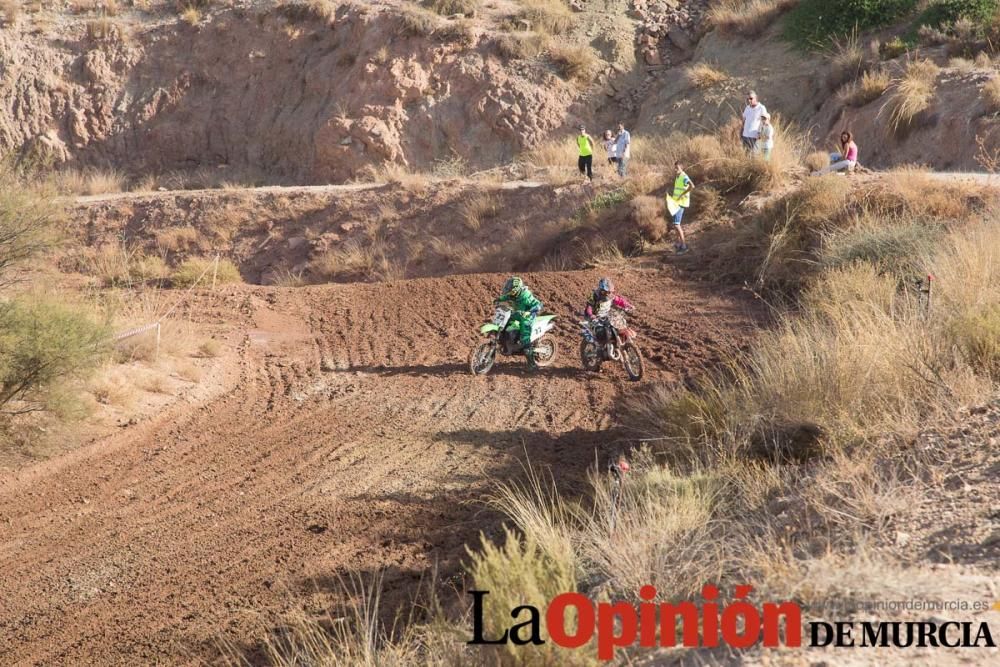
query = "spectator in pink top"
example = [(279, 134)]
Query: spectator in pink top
[(846, 159)]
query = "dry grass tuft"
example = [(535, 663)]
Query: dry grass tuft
[(546, 16), (705, 75), (10, 11), (203, 270), (189, 372), (867, 89), (190, 15), (477, 208), (521, 45), (575, 63), (88, 181), (912, 94), (991, 94), (417, 21), (209, 349), (647, 215), (178, 239), (309, 10), (748, 18), (452, 7), (846, 62)]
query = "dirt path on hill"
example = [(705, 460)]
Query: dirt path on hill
[(143, 547)]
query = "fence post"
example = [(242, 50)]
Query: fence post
[(215, 271), (156, 351)]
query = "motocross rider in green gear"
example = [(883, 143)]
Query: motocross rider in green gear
[(524, 308)]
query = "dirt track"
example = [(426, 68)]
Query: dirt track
[(146, 546)]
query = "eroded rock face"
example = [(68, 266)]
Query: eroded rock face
[(293, 100)]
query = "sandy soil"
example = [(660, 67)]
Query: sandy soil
[(146, 545)]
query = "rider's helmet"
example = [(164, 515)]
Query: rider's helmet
[(512, 287), (605, 288)]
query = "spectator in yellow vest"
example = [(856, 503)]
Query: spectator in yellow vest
[(586, 162), (681, 196)]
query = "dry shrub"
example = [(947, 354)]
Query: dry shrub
[(895, 245), (190, 15), (705, 75), (846, 62), (209, 349), (450, 7), (189, 372), (88, 181), (153, 383), (203, 271), (991, 94), (646, 214), (289, 278), (575, 63), (867, 89), (479, 207), (816, 160), (962, 65), (102, 29), (397, 174), (10, 10), (178, 239), (776, 248), (309, 10), (912, 94), (366, 259), (462, 31), (111, 387), (417, 21), (655, 151), (748, 18), (916, 191), (521, 45), (116, 264), (546, 16)]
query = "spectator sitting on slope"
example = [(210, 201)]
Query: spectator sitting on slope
[(846, 159)]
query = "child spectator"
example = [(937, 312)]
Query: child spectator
[(611, 146), (765, 142)]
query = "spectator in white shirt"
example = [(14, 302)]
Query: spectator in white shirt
[(624, 140), (751, 121)]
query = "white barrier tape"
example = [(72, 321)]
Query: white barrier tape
[(128, 333)]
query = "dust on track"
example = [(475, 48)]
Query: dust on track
[(147, 545)]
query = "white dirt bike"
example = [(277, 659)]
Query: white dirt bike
[(506, 340)]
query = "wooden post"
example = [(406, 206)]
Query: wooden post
[(215, 271), (156, 351)]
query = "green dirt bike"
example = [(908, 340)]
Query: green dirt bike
[(506, 340)]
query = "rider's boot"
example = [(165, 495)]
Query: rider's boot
[(529, 354)]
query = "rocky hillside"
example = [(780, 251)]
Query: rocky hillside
[(312, 91)]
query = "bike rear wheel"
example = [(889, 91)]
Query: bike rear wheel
[(482, 358), (632, 361)]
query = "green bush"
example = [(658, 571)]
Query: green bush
[(28, 216), (43, 344), (814, 23), (946, 12)]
